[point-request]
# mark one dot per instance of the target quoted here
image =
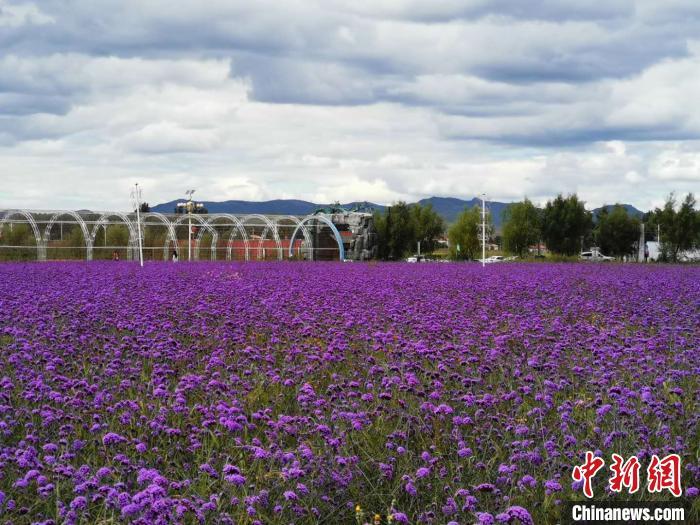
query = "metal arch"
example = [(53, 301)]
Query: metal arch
[(103, 220), (169, 225), (214, 239), (261, 241), (241, 224), (206, 226), (304, 230), (269, 226), (238, 226), (81, 223), (324, 220), (40, 254)]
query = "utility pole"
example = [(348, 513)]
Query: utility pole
[(189, 224), (136, 202), (483, 230)]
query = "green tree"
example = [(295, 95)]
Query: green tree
[(117, 238), (400, 230), (117, 235), (16, 235), (396, 231), (521, 227), (428, 226), (402, 226), (75, 245), (381, 227), (464, 234), (617, 231), (680, 226), (565, 224), (154, 240)]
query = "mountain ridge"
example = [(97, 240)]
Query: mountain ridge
[(447, 207)]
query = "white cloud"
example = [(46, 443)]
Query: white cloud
[(347, 101), (168, 137), (16, 15), (677, 165), (353, 188)]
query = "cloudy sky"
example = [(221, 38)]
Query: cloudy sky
[(344, 100)]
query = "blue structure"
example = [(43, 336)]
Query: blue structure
[(325, 220)]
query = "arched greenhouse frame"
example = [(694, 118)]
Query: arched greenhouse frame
[(44, 235)]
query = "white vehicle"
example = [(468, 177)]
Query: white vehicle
[(493, 259), (594, 255), (689, 256)]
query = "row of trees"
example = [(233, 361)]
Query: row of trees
[(401, 227), (563, 225), (678, 225), (70, 244), (18, 242), (566, 227)]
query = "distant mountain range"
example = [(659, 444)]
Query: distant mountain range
[(274, 207), (631, 210), (447, 207)]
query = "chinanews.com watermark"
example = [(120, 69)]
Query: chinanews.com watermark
[(663, 475), (585, 512)]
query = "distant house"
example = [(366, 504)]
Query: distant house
[(538, 248), (686, 256), (654, 250)]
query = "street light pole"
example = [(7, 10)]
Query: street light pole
[(136, 200), (189, 224), (483, 230)]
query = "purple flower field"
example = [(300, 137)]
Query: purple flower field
[(337, 393)]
